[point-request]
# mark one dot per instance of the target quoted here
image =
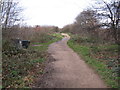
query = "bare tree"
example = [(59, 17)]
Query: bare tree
[(9, 13), (110, 13), (86, 22)]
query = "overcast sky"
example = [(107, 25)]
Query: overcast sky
[(52, 12)]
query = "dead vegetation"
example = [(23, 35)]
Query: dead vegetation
[(20, 66)]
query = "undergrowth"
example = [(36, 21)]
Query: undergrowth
[(99, 57), (20, 67)]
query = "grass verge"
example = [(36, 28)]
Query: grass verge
[(44, 46), (101, 68)]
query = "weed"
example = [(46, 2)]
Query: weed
[(100, 67), (20, 66)]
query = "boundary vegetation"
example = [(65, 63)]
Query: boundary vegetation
[(100, 65)]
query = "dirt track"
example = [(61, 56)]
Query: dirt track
[(68, 70)]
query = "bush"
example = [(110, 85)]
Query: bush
[(16, 67), (95, 49)]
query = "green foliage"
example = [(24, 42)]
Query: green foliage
[(15, 67), (19, 64), (89, 53), (38, 60), (95, 49), (113, 47), (84, 40), (7, 46), (43, 46)]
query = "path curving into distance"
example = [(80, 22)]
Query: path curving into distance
[(68, 70)]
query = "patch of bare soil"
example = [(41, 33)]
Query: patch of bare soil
[(65, 69)]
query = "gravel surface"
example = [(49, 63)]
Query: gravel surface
[(66, 69)]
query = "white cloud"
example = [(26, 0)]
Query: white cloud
[(52, 12)]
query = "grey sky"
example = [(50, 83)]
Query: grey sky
[(52, 12)]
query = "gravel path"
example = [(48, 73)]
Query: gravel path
[(68, 70)]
